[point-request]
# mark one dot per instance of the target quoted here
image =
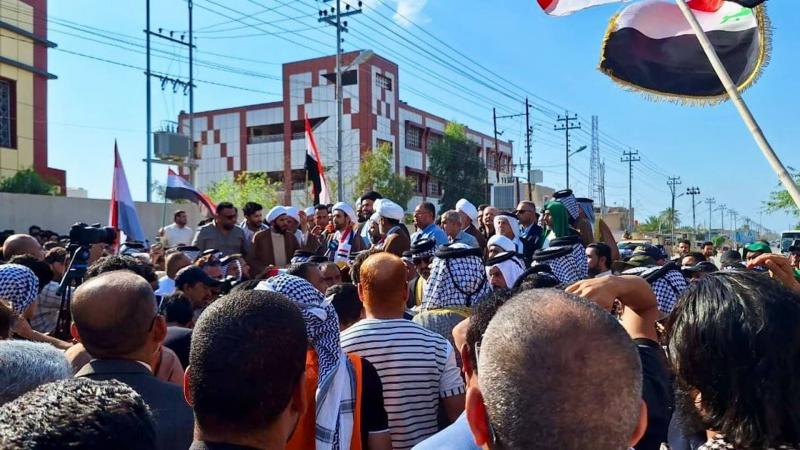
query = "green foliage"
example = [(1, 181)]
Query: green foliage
[(27, 182), (719, 241), (668, 216), (375, 173), (650, 225), (781, 201), (248, 187), (455, 163)]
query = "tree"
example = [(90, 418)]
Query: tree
[(247, 187), (375, 173), (781, 201), (669, 216), (456, 164), (27, 182), (651, 225)]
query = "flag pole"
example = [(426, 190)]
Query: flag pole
[(737, 100)]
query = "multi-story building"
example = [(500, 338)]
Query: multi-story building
[(23, 90), (270, 138)]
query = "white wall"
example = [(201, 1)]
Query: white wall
[(19, 211)]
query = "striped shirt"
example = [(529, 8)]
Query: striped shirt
[(417, 367)]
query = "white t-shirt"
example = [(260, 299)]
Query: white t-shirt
[(175, 236), (417, 367)]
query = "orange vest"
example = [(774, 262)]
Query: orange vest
[(304, 435)]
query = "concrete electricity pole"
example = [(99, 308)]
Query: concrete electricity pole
[(693, 191), (673, 182), (630, 158), (569, 124), (710, 202)]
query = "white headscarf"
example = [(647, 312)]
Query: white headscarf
[(503, 242), (514, 224), (274, 213), (511, 269), (347, 209)]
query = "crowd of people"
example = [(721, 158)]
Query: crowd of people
[(339, 327)]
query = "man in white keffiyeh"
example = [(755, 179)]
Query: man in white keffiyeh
[(335, 392), (506, 224)]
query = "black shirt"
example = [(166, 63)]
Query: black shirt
[(179, 339), (373, 414), (657, 393)]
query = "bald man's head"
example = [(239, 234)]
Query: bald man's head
[(22, 244), (114, 314), (567, 367), (382, 282), (175, 262)]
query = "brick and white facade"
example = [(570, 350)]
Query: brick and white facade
[(270, 137)]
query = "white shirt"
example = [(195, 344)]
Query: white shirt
[(175, 236), (607, 273), (417, 367)]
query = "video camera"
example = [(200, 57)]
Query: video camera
[(83, 235)]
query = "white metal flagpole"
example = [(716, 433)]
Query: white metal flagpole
[(744, 111)]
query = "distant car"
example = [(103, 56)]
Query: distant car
[(626, 248)]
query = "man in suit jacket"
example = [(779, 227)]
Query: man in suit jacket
[(115, 317), (273, 247), (530, 231)]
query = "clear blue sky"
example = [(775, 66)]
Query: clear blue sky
[(94, 102)]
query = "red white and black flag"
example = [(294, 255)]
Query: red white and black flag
[(651, 47), (180, 189), (567, 7), (315, 169)]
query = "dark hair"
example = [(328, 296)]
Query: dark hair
[(251, 208), (734, 338), (177, 308), (301, 269), (119, 262), (177, 213), (699, 257), (730, 257), (225, 205), (483, 206), (263, 336), (371, 195), (321, 207), (41, 269), (78, 413), (33, 227), (346, 302), (56, 255), (603, 251), (685, 241), (49, 245), (428, 206), (358, 261), (706, 243), (482, 314)]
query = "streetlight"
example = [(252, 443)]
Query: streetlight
[(570, 155)]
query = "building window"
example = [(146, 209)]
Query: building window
[(413, 137), (434, 188), (349, 77), (8, 119), (382, 143), (433, 139), (265, 133), (382, 81)]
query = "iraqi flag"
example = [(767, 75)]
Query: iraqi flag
[(315, 169), (122, 214), (180, 189), (567, 7), (651, 47)]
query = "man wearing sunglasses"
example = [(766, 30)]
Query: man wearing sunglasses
[(222, 233), (421, 257), (530, 231)]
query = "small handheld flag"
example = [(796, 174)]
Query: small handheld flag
[(180, 189)]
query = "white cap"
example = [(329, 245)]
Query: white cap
[(502, 242), (467, 208), (347, 209), (275, 212), (293, 213), (390, 210), (310, 211)]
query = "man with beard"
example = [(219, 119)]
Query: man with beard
[(273, 247), (422, 257), (390, 217), (469, 215), (222, 233), (598, 256), (345, 241), (366, 208), (253, 220)]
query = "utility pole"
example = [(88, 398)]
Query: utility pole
[(594, 163), (733, 215), (710, 202), (673, 182), (176, 83), (721, 208), (693, 191), (528, 135), (335, 19), (496, 146), (497, 133), (630, 158), (569, 124), (602, 192)]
